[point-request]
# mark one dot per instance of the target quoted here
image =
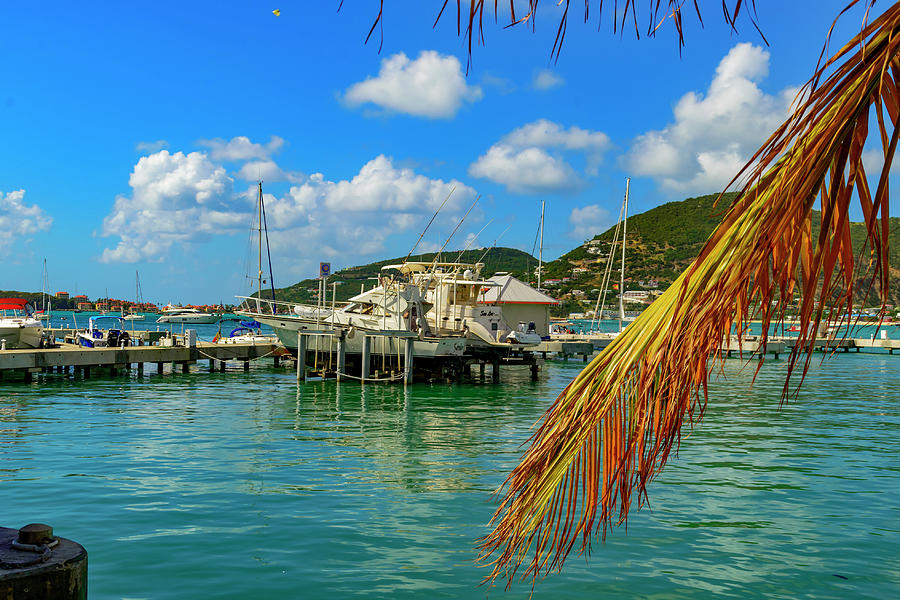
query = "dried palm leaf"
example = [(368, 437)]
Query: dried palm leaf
[(657, 13), (612, 429)]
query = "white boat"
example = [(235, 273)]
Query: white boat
[(592, 332), (94, 337), (133, 317), (247, 332), (178, 314), (387, 315), (456, 293), (18, 328)]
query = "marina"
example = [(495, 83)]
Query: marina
[(372, 327)]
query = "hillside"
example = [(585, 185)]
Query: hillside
[(661, 243), (350, 279)]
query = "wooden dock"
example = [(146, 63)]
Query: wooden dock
[(66, 358)]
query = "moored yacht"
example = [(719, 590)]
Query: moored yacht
[(18, 327), (179, 314)]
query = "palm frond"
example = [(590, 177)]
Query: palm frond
[(657, 13), (613, 428)]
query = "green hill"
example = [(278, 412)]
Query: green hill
[(661, 243), (350, 279)]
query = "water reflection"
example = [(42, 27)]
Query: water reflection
[(341, 489)]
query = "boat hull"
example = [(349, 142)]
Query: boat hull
[(287, 329), (189, 319), (18, 335)]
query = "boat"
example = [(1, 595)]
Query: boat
[(455, 294), (45, 313), (387, 314), (94, 337), (569, 332), (18, 327), (379, 321), (247, 332), (180, 314)]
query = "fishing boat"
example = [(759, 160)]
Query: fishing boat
[(18, 327), (180, 314), (94, 337), (388, 316), (457, 298)]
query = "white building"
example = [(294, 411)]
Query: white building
[(520, 302)]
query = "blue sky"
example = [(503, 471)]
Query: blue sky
[(132, 138)]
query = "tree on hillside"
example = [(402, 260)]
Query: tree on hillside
[(613, 428)]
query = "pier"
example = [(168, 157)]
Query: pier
[(173, 351)]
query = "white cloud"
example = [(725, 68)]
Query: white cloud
[(267, 170), (713, 135), (18, 219), (546, 79), (588, 221), (530, 160), (175, 198), (151, 147), (873, 162), (354, 217), (526, 171), (430, 86), (241, 148), (180, 198)]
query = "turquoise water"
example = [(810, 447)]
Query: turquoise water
[(242, 485)]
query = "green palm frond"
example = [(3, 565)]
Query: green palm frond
[(613, 428)]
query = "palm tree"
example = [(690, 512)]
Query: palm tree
[(612, 429)]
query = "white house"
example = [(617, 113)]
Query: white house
[(520, 302)]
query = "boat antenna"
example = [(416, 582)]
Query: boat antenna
[(433, 217), (472, 241), (494, 245), (455, 229)]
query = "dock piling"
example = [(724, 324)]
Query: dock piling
[(366, 357)]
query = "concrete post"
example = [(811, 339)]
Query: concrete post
[(341, 356), (366, 356), (301, 356), (408, 362)]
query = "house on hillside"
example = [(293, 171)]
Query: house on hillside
[(520, 302)]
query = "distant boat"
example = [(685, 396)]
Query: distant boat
[(132, 315), (45, 313), (179, 314), (18, 327)]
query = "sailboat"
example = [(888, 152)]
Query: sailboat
[(593, 334), (132, 314), (45, 312)]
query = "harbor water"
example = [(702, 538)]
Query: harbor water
[(246, 485)]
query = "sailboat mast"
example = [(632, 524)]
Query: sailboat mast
[(541, 248), (622, 271), (259, 238)]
